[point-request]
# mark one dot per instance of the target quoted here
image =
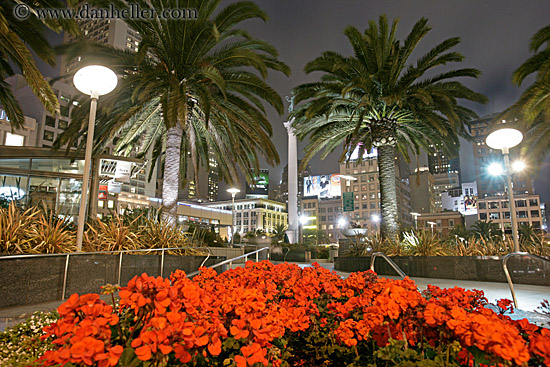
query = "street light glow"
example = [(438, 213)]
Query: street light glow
[(95, 80), (304, 219), (495, 169), (518, 166), (504, 138), (233, 191), (375, 218), (342, 222)]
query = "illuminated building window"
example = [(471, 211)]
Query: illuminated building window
[(14, 140)]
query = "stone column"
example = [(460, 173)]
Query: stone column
[(292, 207)]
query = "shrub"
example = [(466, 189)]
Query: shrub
[(22, 344), (282, 315)]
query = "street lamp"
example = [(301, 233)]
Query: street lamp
[(415, 216), (233, 192), (504, 139), (95, 81), (342, 222), (432, 224)]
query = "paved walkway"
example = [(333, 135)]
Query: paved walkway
[(529, 297)]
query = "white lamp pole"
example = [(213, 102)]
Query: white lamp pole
[(233, 192), (415, 216), (504, 139), (93, 80)]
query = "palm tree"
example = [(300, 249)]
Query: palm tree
[(18, 37), (279, 232), (532, 110), (189, 92), (378, 98), (489, 231)]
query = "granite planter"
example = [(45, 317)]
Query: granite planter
[(523, 270), (40, 279)]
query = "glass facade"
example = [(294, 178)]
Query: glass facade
[(55, 183)]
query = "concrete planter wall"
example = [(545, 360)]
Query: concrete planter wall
[(34, 280), (523, 270)]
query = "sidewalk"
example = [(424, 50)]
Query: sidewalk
[(529, 297)]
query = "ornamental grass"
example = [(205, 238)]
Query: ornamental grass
[(282, 315)]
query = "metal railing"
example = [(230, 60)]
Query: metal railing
[(390, 261), (121, 253), (230, 261), (507, 273)]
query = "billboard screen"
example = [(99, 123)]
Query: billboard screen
[(470, 205), (322, 186), (260, 185)]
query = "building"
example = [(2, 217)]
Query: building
[(329, 214), (422, 185), (25, 136), (309, 213), (484, 156), (439, 163), (112, 32), (33, 176), (444, 182), (254, 214), (442, 222), (280, 193), (361, 178), (46, 129), (260, 187), (461, 199), (204, 216), (496, 209)]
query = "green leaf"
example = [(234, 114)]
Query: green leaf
[(129, 358)]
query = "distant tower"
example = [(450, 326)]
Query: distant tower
[(292, 231)]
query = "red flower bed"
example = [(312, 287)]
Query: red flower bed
[(282, 315)]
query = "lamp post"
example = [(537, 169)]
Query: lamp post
[(95, 81), (233, 192), (415, 216), (504, 139), (432, 224)]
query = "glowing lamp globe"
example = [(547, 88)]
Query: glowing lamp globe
[(233, 191), (504, 138), (95, 80)]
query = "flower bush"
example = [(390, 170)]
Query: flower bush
[(282, 315), (21, 344)]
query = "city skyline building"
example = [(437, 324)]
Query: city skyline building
[(254, 214), (366, 193)]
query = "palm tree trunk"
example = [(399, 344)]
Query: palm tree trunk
[(389, 227), (171, 183)]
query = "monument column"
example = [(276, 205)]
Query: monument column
[(292, 206)]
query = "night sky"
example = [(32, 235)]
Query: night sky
[(495, 36)]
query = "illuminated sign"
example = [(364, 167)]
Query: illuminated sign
[(323, 186), (260, 185), (470, 205), (4, 116)]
